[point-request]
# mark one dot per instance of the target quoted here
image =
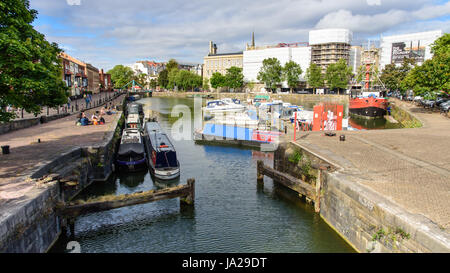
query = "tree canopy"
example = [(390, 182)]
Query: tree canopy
[(338, 75), (291, 74), (234, 77), (172, 64), (392, 76), (217, 80), (314, 76), (163, 78), (121, 75), (270, 73), (432, 77), (30, 69)]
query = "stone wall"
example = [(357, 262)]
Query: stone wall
[(367, 221), (297, 99), (25, 123), (34, 226)]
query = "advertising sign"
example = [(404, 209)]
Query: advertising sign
[(402, 50)]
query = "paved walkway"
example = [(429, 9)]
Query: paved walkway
[(58, 136), (411, 167), (72, 109)]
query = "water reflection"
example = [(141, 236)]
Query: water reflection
[(230, 213)]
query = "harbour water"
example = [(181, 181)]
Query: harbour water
[(230, 214)]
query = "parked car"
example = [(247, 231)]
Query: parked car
[(428, 103), (440, 100)]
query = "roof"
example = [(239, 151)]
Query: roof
[(222, 54)]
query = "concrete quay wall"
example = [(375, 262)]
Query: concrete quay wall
[(371, 223), (368, 221), (297, 99), (33, 225)]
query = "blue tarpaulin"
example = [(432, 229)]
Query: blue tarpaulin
[(226, 131)]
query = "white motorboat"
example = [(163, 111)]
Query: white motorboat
[(240, 119), (220, 106)]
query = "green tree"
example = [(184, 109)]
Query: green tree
[(141, 79), (291, 74), (172, 64), (270, 73), (392, 75), (30, 70), (338, 75), (205, 84), (314, 76), (217, 80), (234, 77), (121, 75), (153, 83), (431, 78), (163, 78), (172, 78)]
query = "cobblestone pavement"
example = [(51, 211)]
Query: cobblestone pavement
[(411, 167), (72, 109), (58, 136)]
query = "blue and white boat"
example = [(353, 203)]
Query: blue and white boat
[(162, 157)]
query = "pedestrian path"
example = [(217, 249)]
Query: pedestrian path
[(411, 167), (56, 137), (72, 107)]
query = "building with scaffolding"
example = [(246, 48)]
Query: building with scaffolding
[(330, 45)]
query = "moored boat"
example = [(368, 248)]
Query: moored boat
[(371, 106), (161, 154), (131, 155), (221, 106)]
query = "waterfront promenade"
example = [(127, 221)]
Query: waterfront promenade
[(81, 103), (27, 155), (410, 167)]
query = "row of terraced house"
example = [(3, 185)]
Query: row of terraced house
[(83, 77)]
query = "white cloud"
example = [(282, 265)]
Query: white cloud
[(373, 2), (125, 31), (73, 2)]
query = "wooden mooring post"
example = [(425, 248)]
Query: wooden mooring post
[(295, 184)]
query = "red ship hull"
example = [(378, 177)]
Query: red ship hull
[(368, 107)]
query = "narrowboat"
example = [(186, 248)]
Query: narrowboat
[(131, 155), (134, 121), (161, 154), (136, 108)]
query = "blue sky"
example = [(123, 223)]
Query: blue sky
[(109, 32)]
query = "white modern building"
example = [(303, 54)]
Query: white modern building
[(252, 59), (413, 45)]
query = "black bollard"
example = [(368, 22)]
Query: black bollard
[(5, 149), (342, 138)]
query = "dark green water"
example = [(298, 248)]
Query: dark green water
[(230, 214)]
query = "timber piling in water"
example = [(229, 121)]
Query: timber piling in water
[(185, 192), (298, 185)]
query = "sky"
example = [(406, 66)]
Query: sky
[(109, 32)]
